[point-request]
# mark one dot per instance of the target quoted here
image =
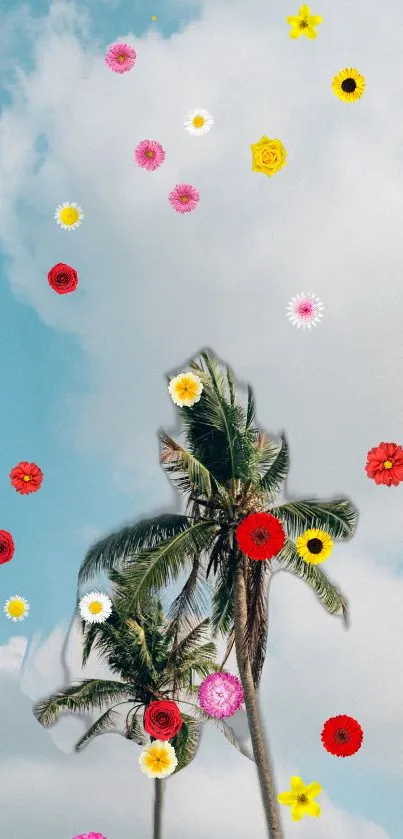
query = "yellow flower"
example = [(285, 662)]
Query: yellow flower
[(185, 389), (314, 546), (304, 24), (16, 608), (301, 799), (158, 759), (268, 156), (349, 84)]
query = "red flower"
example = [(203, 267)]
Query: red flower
[(260, 536), (26, 477), (6, 546), (162, 719), (385, 464), (62, 278), (342, 736)]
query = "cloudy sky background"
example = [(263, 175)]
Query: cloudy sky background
[(83, 375)]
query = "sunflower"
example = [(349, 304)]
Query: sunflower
[(348, 85), (314, 546)]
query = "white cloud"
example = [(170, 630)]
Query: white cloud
[(12, 655)]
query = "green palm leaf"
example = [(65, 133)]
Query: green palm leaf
[(106, 724), (328, 594), (187, 741), (192, 601), (277, 471), (185, 471), (337, 518), (228, 732), (85, 696)]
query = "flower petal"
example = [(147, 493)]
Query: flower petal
[(312, 790), (297, 785), (312, 809), (296, 813), (286, 798)]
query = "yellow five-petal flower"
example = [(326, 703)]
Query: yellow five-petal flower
[(304, 23), (301, 799)]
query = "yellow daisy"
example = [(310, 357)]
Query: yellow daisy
[(69, 216), (185, 389), (348, 85), (16, 608), (95, 607), (158, 759), (314, 546), (304, 23), (301, 799)]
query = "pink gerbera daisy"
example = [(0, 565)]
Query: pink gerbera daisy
[(220, 695), (149, 155), (120, 58), (184, 198)]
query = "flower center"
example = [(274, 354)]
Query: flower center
[(69, 215), (342, 736), (387, 464), (303, 24), (315, 546), (121, 57), (305, 309), (95, 607), (198, 122), (349, 85), (16, 609), (260, 536), (150, 154), (302, 799), (26, 477), (184, 199)]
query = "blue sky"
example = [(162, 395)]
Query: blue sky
[(83, 375)]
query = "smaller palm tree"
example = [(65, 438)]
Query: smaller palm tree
[(153, 660)]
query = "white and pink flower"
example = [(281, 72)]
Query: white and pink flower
[(305, 310)]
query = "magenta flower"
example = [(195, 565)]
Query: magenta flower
[(220, 695), (149, 155), (120, 58), (184, 198), (90, 836)]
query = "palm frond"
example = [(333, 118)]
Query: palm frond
[(229, 733), (338, 518), (222, 617), (277, 471), (88, 695), (185, 471), (140, 639), (114, 551), (187, 741), (192, 601), (257, 617), (135, 731), (106, 724), (250, 409), (328, 594)]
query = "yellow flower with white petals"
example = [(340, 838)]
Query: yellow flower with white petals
[(158, 759), (16, 608), (185, 389), (69, 216), (304, 23), (198, 121), (95, 607), (301, 799)]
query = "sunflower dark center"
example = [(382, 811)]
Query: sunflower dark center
[(342, 736), (348, 85), (315, 546), (260, 535), (302, 799), (303, 24)]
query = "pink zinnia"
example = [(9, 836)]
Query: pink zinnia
[(184, 198), (220, 695), (120, 58), (149, 155)]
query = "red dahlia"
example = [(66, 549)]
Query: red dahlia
[(385, 464), (162, 719), (26, 477), (342, 736), (260, 536), (63, 278), (6, 546)]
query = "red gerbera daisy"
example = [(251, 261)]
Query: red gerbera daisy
[(342, 736), (385, 464), (260, 536), (26, 477)]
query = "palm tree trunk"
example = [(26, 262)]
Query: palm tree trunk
[(158, 797), (260, 749)]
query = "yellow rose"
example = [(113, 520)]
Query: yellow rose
[(268, 156)]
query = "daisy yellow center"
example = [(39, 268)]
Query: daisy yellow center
[(26, 478), (95, 607), (16, 608), (387, 464), (198, 121), (69, 215), (302, 799)]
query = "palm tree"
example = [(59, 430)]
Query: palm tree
[(227, 468), (152, 662)]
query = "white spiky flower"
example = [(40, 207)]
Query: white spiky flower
[(16, 608), (69, 216), (305, 310), (95, 607), (199, 122)]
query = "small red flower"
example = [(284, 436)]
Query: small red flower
[(6, 547), (62, 278), (26, 477), (162, 719), (385, 464), (342, 736), (260, 536)]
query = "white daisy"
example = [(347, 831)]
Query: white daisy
[(69, 216), (95, 607), (198, 122), (305, 310), (16, 608)]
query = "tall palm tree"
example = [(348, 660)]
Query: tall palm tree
[(227, 468), (152, 662)]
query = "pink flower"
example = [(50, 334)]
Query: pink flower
[(149, 155), (120, 58), (184, 198), (90, 836), (220, 695)]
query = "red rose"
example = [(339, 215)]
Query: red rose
[(62, 278), (6, 546), (162, 719)]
